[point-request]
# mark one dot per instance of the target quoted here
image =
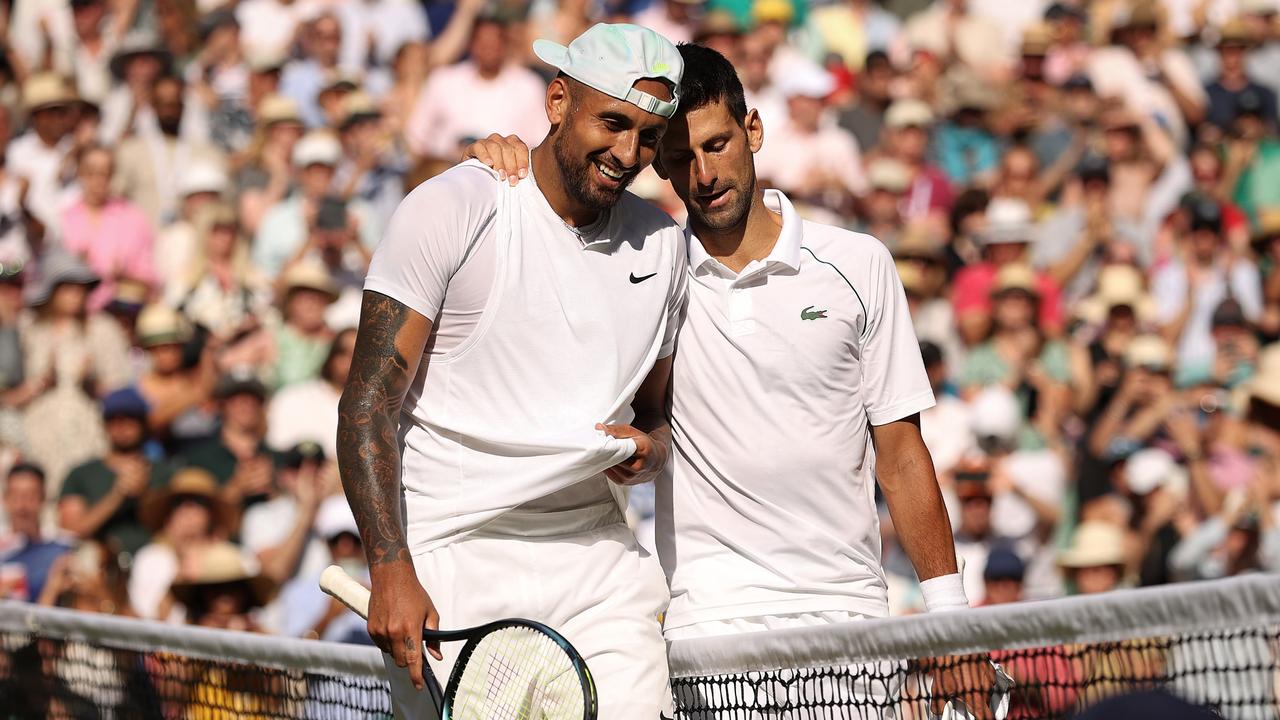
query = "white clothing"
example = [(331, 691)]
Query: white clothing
[(507, 417), (782, 370), (946, 431), (456, 105), (304, 411), (41, 165), (268, 26), (1039, 474), (267, 524), (1196, 348), (594, 585), (792, 158), (378, 28), (155, 565)]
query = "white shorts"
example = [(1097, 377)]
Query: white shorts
[(592, 583), (862, 691)]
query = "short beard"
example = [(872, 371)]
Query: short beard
[(575, 174), (732, 216)]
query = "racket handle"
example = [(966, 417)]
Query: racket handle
[(335, 581)]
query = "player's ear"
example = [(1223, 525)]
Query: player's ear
[(559, 99), (755, 130)]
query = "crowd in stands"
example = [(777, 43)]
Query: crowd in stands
[(1083, 199)]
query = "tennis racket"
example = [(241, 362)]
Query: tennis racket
[(508, 670)]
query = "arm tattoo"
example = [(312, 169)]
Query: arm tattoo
[(368, 421)]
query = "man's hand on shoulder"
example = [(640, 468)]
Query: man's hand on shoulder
[(508, 155), (653, 450)]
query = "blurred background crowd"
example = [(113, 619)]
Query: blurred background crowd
[(1083, 199)]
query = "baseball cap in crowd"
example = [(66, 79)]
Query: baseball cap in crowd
[(240, 381), (334, 517), (129, 298), (138, 43), (1149, 352), (611, 58), (159, 324), (303, 452), (908, 112), (318, 147), (995, 416), (1148, 469), (779, 11), (1078, 81), (889, 175), (808, 80), (202, 177), (125, 402), (1205, 212), (264, 60), (1008, 221), (1004, 564)]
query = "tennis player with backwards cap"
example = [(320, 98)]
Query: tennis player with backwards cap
[(512, 358), (797, 385)]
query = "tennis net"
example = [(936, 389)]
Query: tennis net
[(1215, 644)]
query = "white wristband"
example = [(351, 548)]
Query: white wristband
[(943, 593)]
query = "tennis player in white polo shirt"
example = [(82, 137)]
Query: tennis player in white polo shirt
[(512, 359), (797, 385)]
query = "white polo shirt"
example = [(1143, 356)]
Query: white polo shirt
[(781, 371), (540, 331)]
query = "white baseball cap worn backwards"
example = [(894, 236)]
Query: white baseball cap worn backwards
[(612, 57)]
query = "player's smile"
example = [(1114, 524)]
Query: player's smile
[(612, 178)]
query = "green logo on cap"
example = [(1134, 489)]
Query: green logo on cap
[(660, 68)]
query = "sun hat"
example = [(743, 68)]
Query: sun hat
[(1118, 285), (995, 412), (1150, 352), (1008, 221), (611, 58), (137, 43), (277, 108), (1148, 469), (307, 275), (908, 112), (202, 177), (1094, 544), (1015, 276), (58, 267), (318, 147), (889, 175), (160, 324), (46, 90), (223, 563), (156, 505)]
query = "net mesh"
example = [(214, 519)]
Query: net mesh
[(1215, 644)]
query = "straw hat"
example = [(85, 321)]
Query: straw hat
[(358, 106), (889, 175), (130, 296), (160, 324), (223, 563), (58, 268), (1265, 383), (1036, 39), (1236, 32), (1094, 544), (1015, 276), (46, 90), (908, 112), (1117, 285), (156, 505), (275, 108), (309, 276), (1148, 351), (763, 11)]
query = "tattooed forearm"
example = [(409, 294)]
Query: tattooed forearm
[(382, 367)]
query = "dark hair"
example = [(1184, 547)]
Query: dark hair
[(27, 468), (877, 59), (973, 200), (709, 78), (930, 353)]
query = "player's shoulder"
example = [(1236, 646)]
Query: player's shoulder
[(635, 215), (471, 184), (851, 251)]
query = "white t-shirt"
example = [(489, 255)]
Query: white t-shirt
[(540, 331), (304, 411), (782, 370)]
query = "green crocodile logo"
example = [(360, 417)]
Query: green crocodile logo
[(810, 314)]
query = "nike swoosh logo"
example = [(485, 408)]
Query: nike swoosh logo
[(642, 278)]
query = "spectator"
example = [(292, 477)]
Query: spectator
[(967, 153), (1227, 91), (855, 28), (39, 155), (88, 579), (808, 155), (865, 116), (152, 165), (185, 516), (220, 588), (25, 547), (238, 457), (199, 184), (758, 87), (265, 176), (888, 181), (949, 29), (921, 265), (303, 79), (308, 611), (302, 339), (1095, 560), (128, 108), (100, 498), (1266, 247), (269, 27), (502, 97), (1241, 538), (175, 392), (233, 113), (945, 426), (308, 410), (79, 355), (905, 138), (368, 171), (374, 30), (285, 227), (1015, 350), (1002, 577), (110, 234), (1005, 241)]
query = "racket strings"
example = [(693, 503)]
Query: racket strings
[(518, 673)]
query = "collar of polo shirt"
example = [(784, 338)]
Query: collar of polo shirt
[(785, 253)]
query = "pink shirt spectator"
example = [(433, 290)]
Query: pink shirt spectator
[(971, 292), (457, 104), (116, 242), (929, 192)]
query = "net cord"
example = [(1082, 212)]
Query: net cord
[(1242, 602), (205, 643)]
